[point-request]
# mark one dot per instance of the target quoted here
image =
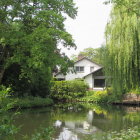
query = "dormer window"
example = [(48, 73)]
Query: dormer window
[(79, 69)]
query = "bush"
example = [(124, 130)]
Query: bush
[(104, 96), (7, 129), (66, 90), (43, 134), (135, 91), (95, 96)]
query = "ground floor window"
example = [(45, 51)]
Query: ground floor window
[(99, 82), (60, 79)]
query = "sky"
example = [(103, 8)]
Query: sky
[(89, 26)]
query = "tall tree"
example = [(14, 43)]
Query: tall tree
[(30, 31), (123, 46)]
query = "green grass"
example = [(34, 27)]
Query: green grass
[(28, 102)]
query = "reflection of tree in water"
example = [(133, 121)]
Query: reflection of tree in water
[(83, 123)]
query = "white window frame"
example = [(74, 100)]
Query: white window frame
[(78, 69)]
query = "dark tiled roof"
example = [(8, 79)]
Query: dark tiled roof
[(94, 71)]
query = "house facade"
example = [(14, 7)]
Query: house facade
[(88, 70)]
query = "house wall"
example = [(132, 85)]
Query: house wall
[(60, 76), (87, 65), (87, 69), (89, 80)]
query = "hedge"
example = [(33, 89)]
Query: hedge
[(66, 90)]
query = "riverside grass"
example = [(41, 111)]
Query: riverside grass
[(29, 102)]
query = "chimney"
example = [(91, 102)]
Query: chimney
[(80, 56)]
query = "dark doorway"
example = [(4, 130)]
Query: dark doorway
[(99, 82)]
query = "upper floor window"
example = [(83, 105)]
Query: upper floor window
[(91, 69), (79, 69)]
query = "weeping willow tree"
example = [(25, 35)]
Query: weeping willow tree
[(123, 46)]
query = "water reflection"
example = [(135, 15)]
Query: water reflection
[(79, 122), (65, 134), (69, 130)]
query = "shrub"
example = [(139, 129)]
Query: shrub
[(135, 91), (65, 90), (95, 96), (7, 129), (43, 134), (104, 96)]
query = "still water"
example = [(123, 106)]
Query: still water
[(77, 122)]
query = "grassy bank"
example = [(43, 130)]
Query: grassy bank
[(28, 102), (108, 97)]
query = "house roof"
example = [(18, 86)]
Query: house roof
[(81, 60), (88, 60), (93, 72)]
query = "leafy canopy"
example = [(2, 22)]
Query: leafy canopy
[(30, 31), (123, 46)]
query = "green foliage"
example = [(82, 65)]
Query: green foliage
[(129, 134), (122, 61), (104, 96), (30, 102), (65, 90), (131, 6), (96, 55), (43, 134), (7, 129), (95, 96), (135, 91), (5, 102), (30, 31)]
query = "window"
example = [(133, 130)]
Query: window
[(79, 69), (99, 82), (91, 69)]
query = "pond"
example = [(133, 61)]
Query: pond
[(77, 121)]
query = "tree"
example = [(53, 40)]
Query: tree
[(30, 31), (130, 6), (123, 46)]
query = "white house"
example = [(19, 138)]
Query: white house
[(90, 71)]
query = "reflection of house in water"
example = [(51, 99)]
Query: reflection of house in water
[(66, 134), (69, 130)]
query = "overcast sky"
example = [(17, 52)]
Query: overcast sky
[(89, 26)]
